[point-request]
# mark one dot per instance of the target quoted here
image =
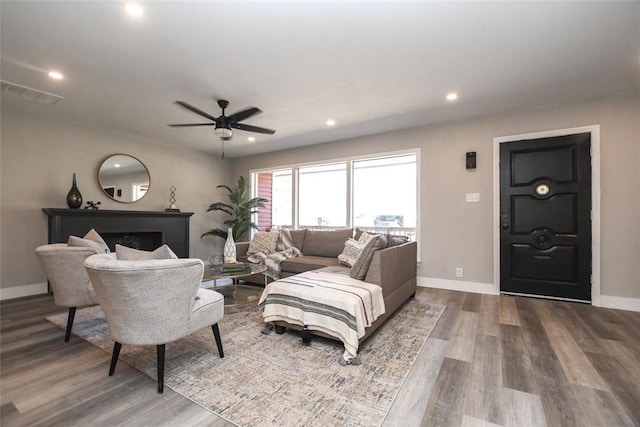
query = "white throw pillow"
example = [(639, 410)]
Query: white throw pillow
[(366, 237), (125, 253), (263, 241), (352, 249), (90, 240)]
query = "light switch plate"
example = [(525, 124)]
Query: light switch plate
[(472, 197)]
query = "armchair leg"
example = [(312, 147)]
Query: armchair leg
[(160, 357), (216, 334), (114, 357), (72, 314)]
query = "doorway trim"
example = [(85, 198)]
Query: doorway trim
[(594, 130)]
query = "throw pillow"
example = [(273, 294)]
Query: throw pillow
[(352, 249), (366, 237), (362, 263), (90, 240), (264, 242), (396, 240), (125, 253)]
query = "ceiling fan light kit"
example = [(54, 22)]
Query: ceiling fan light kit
[(223, 133)]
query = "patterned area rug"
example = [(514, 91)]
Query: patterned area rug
[(275, 379)]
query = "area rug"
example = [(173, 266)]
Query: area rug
[(275, 379)]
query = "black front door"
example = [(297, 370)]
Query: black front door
[(545, 217)]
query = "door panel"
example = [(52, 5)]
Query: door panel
[(545, 209), (556, 163), (536, 264), (557, 213)]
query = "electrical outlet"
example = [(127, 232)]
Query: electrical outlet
[(459, 272)]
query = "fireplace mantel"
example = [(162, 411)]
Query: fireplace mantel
[(152, 228)]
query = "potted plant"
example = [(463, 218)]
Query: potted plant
[(239, 209)]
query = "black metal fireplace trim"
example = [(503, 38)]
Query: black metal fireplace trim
[(174, 226)]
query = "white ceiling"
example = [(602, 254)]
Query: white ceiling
[(371, 66)]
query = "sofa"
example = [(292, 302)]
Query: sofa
[(393, 268)]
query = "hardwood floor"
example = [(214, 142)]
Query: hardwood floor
[(507, 361)]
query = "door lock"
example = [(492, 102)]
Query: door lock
[(504, 219)]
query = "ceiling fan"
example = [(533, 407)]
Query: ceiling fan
[(225, 124)]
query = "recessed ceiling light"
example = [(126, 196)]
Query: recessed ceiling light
[(452, 96), (56, 75), (331, 122), (251, 139), (134, 9)]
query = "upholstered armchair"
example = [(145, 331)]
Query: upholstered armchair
[(154, 302), (64, 267)]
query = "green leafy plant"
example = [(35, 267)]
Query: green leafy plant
[(239, 209)]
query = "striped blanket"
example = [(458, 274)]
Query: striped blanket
[(332, 303)]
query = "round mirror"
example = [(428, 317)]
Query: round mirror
[(123, 178)]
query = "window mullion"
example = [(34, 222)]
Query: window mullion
[(349, 200), (295, 198)]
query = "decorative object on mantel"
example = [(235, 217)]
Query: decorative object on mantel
[(240, 211), (230, 248), (172, 200), (74, 198), (91, 205)]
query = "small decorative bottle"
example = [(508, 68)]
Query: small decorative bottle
[(74, 198), (230, 247)]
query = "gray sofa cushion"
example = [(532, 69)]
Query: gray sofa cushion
[(325, 243), (361, 266), (297, 236), (306, 263)]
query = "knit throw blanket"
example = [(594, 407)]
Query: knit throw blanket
[(272, 260), (332, 303)]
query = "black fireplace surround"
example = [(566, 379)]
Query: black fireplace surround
[(145, 230)]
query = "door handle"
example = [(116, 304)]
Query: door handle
[(504, 219)]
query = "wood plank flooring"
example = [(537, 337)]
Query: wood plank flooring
[(490, 361)]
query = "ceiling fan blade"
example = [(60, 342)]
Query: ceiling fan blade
[(250, 128), (196, 110), (191, 124), (244, 114)]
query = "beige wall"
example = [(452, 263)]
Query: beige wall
[(458, 234), (39, 157), (38, 160)]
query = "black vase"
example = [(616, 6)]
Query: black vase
[(74, 198)]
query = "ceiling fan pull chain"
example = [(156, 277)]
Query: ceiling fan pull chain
[(223, 149)]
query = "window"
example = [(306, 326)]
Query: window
[(377, 194), (384, 192), (323, 195), (277, 188), (282, 196)]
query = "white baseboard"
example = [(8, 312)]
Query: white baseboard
[(620, 303), (457, 285), (23, 291)]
